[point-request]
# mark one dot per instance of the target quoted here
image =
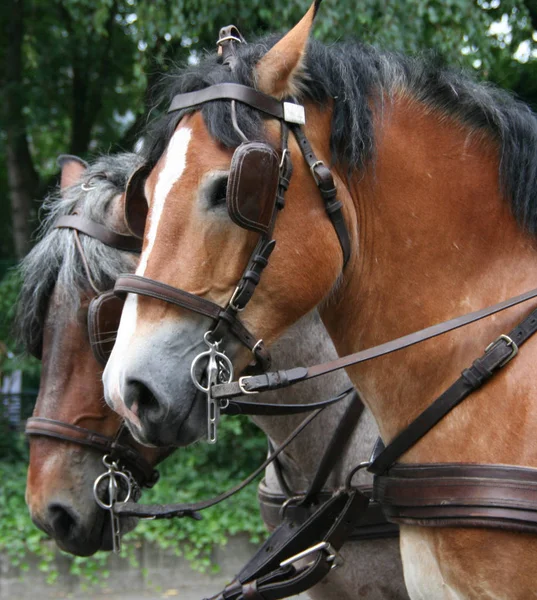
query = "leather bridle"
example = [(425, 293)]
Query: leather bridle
[(118, 446), (459, 495)]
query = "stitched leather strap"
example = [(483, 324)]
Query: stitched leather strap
[(99, 232), (460, 495), (167, 511), (42, 426), (327, 188), (230, 91), (144, 286), (281, 379), (373, 524), (495, 357)]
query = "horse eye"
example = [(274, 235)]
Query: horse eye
[(218, 192)]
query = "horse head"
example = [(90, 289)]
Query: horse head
[(72, 428), (213, 187)]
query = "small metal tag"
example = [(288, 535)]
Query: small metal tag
[(294, 113)]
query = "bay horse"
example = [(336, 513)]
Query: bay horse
[(51, 322), (436, 176), (52, 309)]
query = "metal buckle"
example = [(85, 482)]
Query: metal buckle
[(333, 555), (241, 385), (312, 169), (510, 342), (232, 301)]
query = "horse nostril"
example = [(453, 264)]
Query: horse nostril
[(141, 400), (63, 520)]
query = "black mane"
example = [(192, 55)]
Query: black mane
[(352, 75)]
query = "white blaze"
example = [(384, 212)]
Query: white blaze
[(171, 173), (174, 166)]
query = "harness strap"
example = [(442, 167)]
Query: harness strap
[(42, 426), (285, 378), (272, 572), (241, 407), (167, 511), (144, 286), (496, 356), (275, 506), (336, 447), (327, 188), (99, 232), (242, 93), (460, 495)]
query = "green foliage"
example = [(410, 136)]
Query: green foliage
[(12, 357), (88, 64), (191, 474)]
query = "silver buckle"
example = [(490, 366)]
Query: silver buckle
[(333, 555), (294, 113), (312, 169), (232, 301), (241, 385), (510, 342)]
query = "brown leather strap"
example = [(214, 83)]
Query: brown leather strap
[(460, 495), (99, 232), (42, 426), (325, 182), (230, 91), (496, 356), (240, 407), (336, 447), (281, 379), (167, 511), (372, 525), (144, 286)]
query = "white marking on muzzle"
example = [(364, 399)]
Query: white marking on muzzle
[(174, 166)]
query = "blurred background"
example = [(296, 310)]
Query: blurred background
[(79, 77)]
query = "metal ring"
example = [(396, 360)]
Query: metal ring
[(87, 188), (288, 502), (112, 474), (227, 360), (359, 467), (193, 370)]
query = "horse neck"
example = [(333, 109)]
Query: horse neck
[(436, 240), (306, 343)]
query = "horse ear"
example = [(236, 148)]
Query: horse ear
[(277, 72), (72, 168)]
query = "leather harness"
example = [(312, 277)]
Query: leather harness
[(120, 446), (460, 495), (315, 524)]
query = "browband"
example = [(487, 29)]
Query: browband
[(285, 111)]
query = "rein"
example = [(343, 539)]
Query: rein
[(437, 495)]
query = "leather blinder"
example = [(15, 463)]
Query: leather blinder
[(104, 314), (136, 207), (252, 186)]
